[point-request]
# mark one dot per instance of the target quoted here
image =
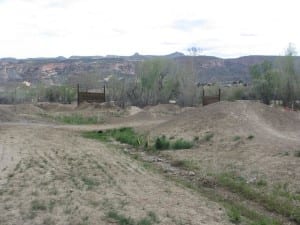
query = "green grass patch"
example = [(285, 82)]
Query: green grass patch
[(271, 202), (124, 135), (182, 144), (234, 215), (128, 136), (121, 219), (162, 143), (248, 216), (98, 135)]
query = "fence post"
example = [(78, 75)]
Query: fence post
[(219, 94), (78, 96)]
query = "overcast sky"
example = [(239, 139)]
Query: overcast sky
[(223, 28)]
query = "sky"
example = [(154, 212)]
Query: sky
[(227, 29)]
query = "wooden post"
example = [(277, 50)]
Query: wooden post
[(78, 96), (219, 94)]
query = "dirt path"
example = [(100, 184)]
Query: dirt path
[(51, 175)]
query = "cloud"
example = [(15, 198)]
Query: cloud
[(189, 25), (248, 35), (229, 28)]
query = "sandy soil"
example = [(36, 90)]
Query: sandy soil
[(51, 175), (269, 155)]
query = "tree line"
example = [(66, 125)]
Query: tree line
[(160, 80), (277, 81)]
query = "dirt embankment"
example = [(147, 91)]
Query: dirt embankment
[(54, 176), (50, 174), (256, 140)]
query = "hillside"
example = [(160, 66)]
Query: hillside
[(58, 70)]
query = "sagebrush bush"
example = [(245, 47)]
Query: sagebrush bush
[(161, 143)]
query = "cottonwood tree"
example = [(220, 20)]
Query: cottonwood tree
[(156, 79), (290, 78), (265, 81), (277, 81)]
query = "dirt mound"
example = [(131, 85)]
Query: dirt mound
[(163, 109), (28, 109), (7, 113), (56, 107), (229, 118), (132, 110)]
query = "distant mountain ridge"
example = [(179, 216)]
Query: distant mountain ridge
[(56, 70)]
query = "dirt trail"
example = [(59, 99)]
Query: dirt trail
[(256, 140), (51, 175)]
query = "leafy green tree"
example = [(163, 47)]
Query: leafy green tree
[(289, 79), (265, 81), (156, 79)]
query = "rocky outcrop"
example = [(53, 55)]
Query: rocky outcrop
[(57, 70)]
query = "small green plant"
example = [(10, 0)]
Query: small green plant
[(261, 183), (285, 154), (161, 143), (234, 215), (250, 137), (182, 144), (153, 217), (297, 153), (120, 219), (90, 182), (236, 138), (38, 205)]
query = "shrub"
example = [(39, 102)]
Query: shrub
[(297, 153), (182, 144), (250, 137), (161, 143), (234, 215)]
